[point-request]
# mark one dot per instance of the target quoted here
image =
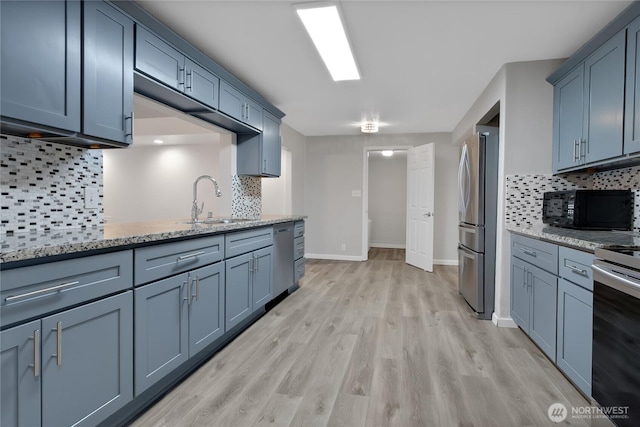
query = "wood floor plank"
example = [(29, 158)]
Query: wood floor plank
[(376, 343)]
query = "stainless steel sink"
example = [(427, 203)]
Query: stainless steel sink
[(216, 221)]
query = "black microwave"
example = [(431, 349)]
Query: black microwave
[(589, 209)]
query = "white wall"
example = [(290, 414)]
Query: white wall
[(296, 144), (156, 183), (388, 200), (334, 167), (276, 192), (526, 120)]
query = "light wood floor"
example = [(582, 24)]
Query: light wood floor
[(376, 343)]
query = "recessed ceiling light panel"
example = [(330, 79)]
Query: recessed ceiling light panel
[(324, 25), (158, 141), (387, 153)]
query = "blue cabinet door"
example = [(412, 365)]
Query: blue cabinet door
[(543, 293), (20, 372), (271, 145), (632, 96), (568, 104), (108, 73), (40, 62), (161, 329), (232, 102), (253, 115), (87, 364), (206, 311), (520, 301), (201, 84), (604, 79), (157, 59), (238, 306), (575, 327), (262, 282)]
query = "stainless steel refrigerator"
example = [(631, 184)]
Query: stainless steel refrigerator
[(477, 192)]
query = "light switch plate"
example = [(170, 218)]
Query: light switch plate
[(91, 197)]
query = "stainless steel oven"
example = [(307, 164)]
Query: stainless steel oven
[(616, 334)]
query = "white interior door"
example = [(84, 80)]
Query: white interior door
[(420, 208)]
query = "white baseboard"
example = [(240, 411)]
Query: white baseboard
[(445, 261), (388, 245), (503, 322), (333, 257)]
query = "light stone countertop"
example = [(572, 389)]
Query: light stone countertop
[(580, 239), (32, 245)]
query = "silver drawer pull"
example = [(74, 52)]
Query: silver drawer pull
[(36, 353), (530, 253), (40, 292), (188, 256), (577, 270)]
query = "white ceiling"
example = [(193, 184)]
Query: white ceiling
[(423, 63)]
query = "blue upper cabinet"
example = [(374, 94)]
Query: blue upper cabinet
[(40, 62), (568, 101), (604, 94), (239, 106), (157, 59), (107, 73), (259, 155), (596, 97), (632, 101)]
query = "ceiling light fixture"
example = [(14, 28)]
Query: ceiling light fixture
[(158, 141), (324, 25), (369, 127), (387, 153)]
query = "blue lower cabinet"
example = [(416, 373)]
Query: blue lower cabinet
[(544, 293), (575, 326), (238, 296), (161, 329), (520, 300), (206, 306), (21, 375), (262, 282), (87, 364)]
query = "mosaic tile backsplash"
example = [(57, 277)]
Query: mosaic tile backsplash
[(524, 192), (42, 185), (246, 199)]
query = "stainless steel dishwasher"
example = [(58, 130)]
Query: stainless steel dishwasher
[(282, 257)]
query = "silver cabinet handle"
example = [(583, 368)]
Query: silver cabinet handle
[(577, 270), (181, 74), (580, 154), (258, 263), (530, 253), (197, 287), (36, 353), (58, 355), (524, 277), (40, 292), (187, 284), (189, 80), (189, 256), (130, 127), (264, 165)]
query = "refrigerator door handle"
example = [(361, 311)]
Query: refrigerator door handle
[(461, 190)]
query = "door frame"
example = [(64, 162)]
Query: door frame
[(365, 191)]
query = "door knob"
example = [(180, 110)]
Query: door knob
[(428, 214)]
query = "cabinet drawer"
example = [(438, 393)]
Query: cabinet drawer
[(298, 229), (298, 270), (242, 242), (575, 266), (536, 252), (39, 289), (156, 262), (298, 248)]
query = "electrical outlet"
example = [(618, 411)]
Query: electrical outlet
[(91, 198), (343, 247)]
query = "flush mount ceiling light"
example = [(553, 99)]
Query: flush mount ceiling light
[(158, 141), (387, 153), (324, 25), (369, 127)]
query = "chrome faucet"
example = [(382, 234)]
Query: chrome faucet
[(195, 211)]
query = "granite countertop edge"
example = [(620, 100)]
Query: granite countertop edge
[(115, 235), (586, 240)]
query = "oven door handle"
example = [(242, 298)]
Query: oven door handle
[(623, 283)]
